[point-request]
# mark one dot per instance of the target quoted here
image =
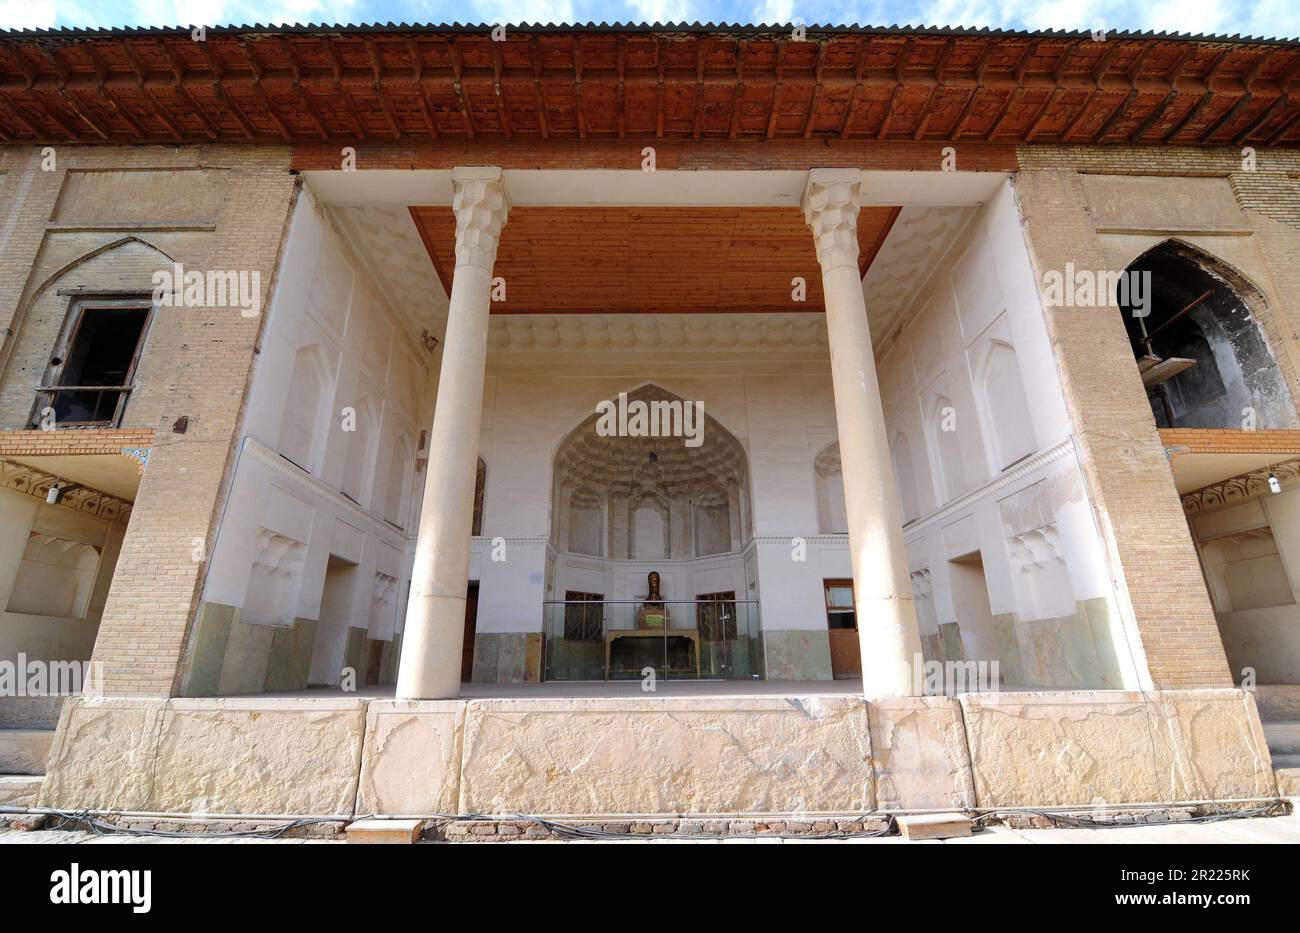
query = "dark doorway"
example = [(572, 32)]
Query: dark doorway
[(471, 620)]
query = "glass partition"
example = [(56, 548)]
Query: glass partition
[(592, 639)]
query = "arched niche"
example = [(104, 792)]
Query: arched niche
[(304, 407), (832, 515), (658, 498), (1203, 355), (360, 450), (1001, 394), (945, 445)]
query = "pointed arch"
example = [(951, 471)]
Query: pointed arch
[(302, 423), (1200, 341), (361, 445), (1000, 392), (655, 475)]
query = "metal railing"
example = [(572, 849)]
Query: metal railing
[(626, 639)]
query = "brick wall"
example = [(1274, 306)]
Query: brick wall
[(1124, 458), (105, 232)]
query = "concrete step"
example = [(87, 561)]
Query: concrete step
[(1283, 736), (25, 751), (20, 790)]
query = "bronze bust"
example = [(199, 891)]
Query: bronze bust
[(652, 613)]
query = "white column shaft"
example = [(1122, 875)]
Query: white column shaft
[(887, 631), (435, 616)]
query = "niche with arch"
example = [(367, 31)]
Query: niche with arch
[(304, 408), (1001, 393), (646, 497)]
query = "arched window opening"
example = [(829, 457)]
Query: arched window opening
[(1204, 360)]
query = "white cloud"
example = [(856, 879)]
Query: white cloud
[(26, 14), (778, 11), (662, 11)]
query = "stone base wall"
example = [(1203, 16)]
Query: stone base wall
[(639, 757)]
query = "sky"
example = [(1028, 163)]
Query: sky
[(1275, 18)]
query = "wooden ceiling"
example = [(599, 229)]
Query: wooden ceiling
[(667, 260), (453, 83)]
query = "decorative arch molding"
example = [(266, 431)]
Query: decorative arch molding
[(698, 494), (94, 254)]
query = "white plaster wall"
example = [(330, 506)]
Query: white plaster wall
[(781, 413), (45, 637), (985, 291), (1263, 642), (324, 296)]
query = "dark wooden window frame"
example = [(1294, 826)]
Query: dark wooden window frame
[(52, 385), (840, 610)]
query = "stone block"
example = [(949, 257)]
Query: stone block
[(295, 757), (384, 832), (248, 653), (20, 790), (103, 754), (918, 751), (1057, 749), (411, 759), (1115, 747), (934, 826), (1209, 745), (580, 757), (25, 751)]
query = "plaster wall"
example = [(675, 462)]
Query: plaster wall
[(45, 636), (1250, 551), (325, 481), (983, 443)]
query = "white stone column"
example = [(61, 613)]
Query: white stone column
[(435, 614), (887, 630)]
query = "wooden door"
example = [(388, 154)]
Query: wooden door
[(842, 627), (467, 648)]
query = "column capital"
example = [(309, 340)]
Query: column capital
[(831, 201), (481, 205)]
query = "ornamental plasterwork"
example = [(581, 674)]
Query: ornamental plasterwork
[(741, 333), (22, 478), (1244, 486)]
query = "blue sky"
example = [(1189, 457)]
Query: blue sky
[(1265, 17)]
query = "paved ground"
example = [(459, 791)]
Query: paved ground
[(1281, 829)]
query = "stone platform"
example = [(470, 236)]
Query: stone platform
[(655, 755)]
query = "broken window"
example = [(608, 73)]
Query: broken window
[(89, 375), (1202, 356)]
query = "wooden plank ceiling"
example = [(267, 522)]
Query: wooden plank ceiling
[(428, 83), (666, 260)]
